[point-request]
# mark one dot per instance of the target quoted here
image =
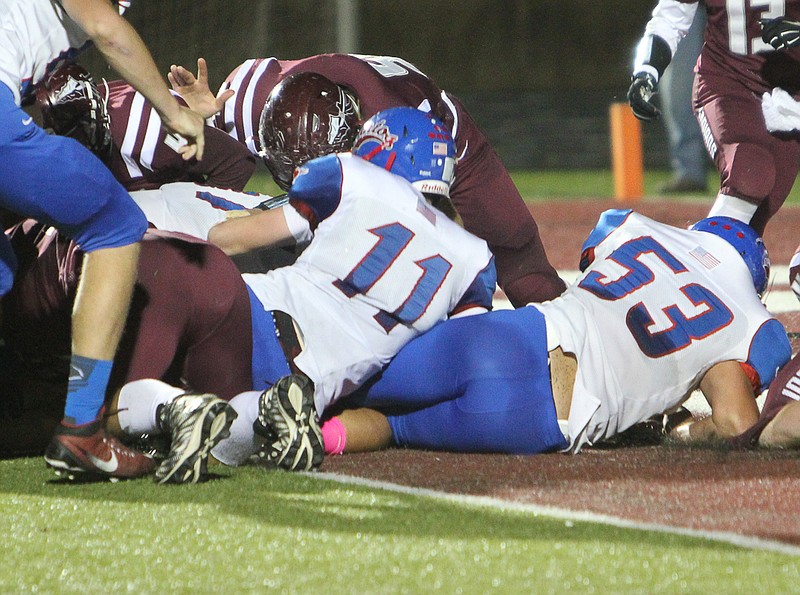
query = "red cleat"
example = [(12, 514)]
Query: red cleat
[(89, 449)]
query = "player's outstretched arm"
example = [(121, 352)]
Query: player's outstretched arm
[(260, 229), (784, 429), (733, 405), (125, 51), (195, 90)]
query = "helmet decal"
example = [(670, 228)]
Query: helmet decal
[(339, 127), (378, 133), (412, 144)]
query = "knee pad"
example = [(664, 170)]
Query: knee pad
[(750, 172)]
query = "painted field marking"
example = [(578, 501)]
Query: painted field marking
[(565, 514)]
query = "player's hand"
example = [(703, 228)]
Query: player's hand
[(780, 33), (190, 128), (641, 91), (195, 90), (677, 418)]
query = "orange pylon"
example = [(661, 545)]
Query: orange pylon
[(626, 153)]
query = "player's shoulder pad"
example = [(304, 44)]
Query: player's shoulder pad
[(608, 222), (318, 184), (769, 351)]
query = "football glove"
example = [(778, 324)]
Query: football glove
[(641, 91), (780, 33)]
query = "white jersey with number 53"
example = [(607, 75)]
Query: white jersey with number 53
[(655, 308), (383, 267)]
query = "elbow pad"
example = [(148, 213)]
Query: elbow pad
[(653, 52)]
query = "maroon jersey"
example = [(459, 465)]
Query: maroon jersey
[(189, 320), (733, 45), (142, 160), (734, 70), (483, 193)]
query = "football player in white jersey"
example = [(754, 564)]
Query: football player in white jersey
[(657, 313), (59, 182), (383, 267)]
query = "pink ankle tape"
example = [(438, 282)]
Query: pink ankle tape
[(334, 436)]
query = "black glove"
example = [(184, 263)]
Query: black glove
[(780, 33), (642, 89)]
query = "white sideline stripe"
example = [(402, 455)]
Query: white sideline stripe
[(778, 301), (566, 514)]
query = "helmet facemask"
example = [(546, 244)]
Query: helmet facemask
[(72, 106)]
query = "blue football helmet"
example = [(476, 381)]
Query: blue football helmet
[(412, 144), (747, 242)]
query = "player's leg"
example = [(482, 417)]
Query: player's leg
[(196, 325), (79, 196), (479, 383), (745, 153), (356, 430), (786, 157), (492, 416)]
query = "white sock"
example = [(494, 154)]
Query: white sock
[(730, 206), (138, 403), (243, 442)]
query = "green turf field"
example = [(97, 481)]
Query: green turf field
[(255, 531)]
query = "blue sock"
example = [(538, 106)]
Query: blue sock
[(86, 391)]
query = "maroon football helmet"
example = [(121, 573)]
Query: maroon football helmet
[(305, 116), (72, 106)]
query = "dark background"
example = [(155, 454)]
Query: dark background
[(538, 76)]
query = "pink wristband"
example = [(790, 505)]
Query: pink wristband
[(334, 436)]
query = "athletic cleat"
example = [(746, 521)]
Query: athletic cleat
[(287, 419), (196, 424), (89, 450)]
